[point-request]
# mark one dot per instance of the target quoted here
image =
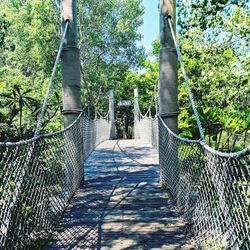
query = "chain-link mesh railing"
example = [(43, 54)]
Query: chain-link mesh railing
[(145, 126), (146, 129), (95, 132), (212, 189), (39, 176)]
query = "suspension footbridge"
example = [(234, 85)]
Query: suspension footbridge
[(90, 191), (123, 203)]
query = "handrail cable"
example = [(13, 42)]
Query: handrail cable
[(191, 97), (51, 81)]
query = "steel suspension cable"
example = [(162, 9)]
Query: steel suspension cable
[(191, 97), (51, 81)]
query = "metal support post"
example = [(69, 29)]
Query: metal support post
[(71, 74), (168, 84), (168, 94), (112, 114), (136, 114), (71, 79)]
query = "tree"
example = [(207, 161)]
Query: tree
[(108, 36), (215, 55), (27, 54), (29, 38), (16, 101), (217, 69)]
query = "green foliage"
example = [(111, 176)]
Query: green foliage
[(205, 14), (209, 245), (213, 36), (16, 102), (217, 66), (108, 47), (217, 62), (29, 38), (29, 41), (3, 29)]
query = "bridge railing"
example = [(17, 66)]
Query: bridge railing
[(211, 188), (146, 130), (39, 176)]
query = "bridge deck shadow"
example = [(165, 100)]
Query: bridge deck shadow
[(121, 205)]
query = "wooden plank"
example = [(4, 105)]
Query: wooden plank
[(122, 205)]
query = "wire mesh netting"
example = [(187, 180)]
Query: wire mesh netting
[(39, 176), (146, 129), (210, 187)]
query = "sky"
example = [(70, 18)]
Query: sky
[(150, 27)]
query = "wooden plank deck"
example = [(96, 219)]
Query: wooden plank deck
[(121, 205)]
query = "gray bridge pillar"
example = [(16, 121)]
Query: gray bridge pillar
[(71, 78), (112, 114), (168, 96), (71, 74), (168, 84)]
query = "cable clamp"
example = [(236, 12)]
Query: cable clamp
[(169, 49), (169, 114), (72, 111)]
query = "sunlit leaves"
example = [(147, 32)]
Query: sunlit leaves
[(30, 45), (108, 32)]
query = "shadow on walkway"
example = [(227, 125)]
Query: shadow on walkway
[(121, 205)]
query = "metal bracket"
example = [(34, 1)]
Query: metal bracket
[(169, 49), (169, 114), (68, 47), (72, 111)]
